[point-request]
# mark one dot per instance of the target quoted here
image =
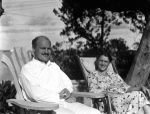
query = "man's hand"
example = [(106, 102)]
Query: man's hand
[(64, 94), (130, 89)]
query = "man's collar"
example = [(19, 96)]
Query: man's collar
[(48, 63)]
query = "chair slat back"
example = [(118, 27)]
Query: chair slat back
[(25, 55), (14, 62), (6, 60), (30, 54), (19, 56)]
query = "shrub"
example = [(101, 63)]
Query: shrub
[(7, 91)]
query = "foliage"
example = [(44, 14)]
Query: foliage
[(66, 59), (94, 25), (7, 91), (1, 8), (136, 18), (82, 20), (124, 56), (77, 16)]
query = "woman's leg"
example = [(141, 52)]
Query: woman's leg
[(130, 102)]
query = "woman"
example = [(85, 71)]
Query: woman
[(125, 99)]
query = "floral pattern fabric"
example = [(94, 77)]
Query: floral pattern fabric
[(122, 102)]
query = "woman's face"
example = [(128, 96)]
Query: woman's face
[(102, 63)]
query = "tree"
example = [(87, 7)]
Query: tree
[(140, 69), (136, 18), (94, 25), (1, 9)]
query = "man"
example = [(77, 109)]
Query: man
[(43, 81)]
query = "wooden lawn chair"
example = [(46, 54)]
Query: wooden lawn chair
[(14, 62), (87, 65)]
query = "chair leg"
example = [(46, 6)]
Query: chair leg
[(100, 105), (103, 104), (109, 105)]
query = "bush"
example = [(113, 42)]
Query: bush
[(7, 91)]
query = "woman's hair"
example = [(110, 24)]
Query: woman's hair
[(105, 53)]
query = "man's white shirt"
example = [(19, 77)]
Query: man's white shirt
[(43, 82)]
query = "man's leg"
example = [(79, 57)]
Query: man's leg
[(79, 108), (62, 110)]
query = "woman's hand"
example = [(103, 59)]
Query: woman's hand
[(146, 91), (130, 89), (64, 94)]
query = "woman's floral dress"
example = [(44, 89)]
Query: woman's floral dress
[(122, 102)]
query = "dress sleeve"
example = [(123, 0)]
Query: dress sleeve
[(33, 89)]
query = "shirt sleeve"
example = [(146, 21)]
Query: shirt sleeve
[(33, 89), (67, 82)]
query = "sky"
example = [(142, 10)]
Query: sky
[(23, 20)]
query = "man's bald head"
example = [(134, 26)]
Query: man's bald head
[(37, 39), (41, 47)]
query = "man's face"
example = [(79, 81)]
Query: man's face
[(102, 63), (42, 51)]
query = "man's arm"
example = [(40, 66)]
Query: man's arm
[(67, 82), (34, 90)]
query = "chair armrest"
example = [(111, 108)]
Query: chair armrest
[(112, 94), (89, 94), (34, 105)]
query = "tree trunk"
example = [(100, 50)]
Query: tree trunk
[(102, 28), (140, 69)]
